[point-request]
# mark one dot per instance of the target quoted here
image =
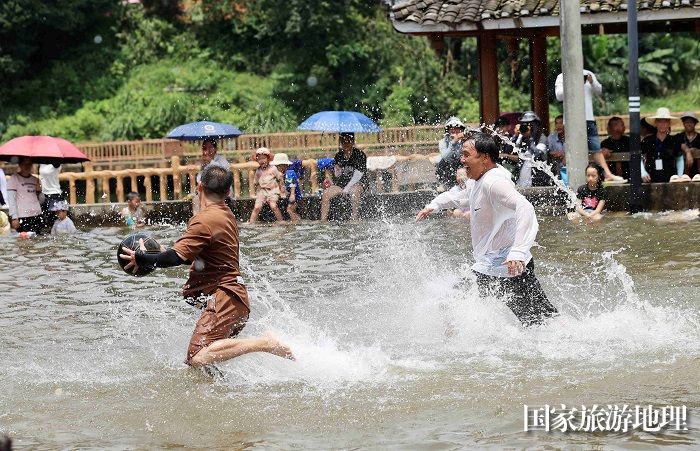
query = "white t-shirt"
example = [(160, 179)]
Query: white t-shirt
[(48, 175), (27, 195), (64, 226), (3, 186), (589, 90)]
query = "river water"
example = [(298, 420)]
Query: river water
[(394, 348)]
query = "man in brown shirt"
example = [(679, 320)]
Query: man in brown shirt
[(210, 244)]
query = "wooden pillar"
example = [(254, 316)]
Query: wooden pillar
[(488, 79), (148, 186), (89, 184), (539, 84), (177, 181)]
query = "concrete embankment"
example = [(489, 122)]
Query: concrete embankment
[(547, 200)]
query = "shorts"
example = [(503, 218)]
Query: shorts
[(225, 316), (263, 196), (593, 139)]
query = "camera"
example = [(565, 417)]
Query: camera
[(524, 128)]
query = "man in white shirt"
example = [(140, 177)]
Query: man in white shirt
[(591, 87), (503, 229)]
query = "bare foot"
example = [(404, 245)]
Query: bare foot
[(276, 347)]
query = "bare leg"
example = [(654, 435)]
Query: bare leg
[(355, 196), (229, 348), (600, 159), (292, 211), (254, 214), (275, 209), (328, 195)]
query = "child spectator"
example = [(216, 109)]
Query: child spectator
[(592, 196), (267, 185), (556, 149), (23, 191), (133, 214), (63, 224), (292, 186)]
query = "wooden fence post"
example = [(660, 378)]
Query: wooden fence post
[(89, 184), (177, 181)]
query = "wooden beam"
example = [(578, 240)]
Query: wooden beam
[(488, 79), (539, 95)]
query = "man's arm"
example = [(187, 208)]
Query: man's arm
[(596, 87), (356, 177), (447, 200)]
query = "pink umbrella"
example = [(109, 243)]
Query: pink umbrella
[(42, 149)]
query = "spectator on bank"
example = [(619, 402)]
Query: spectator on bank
[(662, 153), (645, 129), (616, 142), (450, 151), (689, 141), (3, 189), (592, 196), (530, 140), (210, 156), (291, 194), (555, 148), (350, 172), (133, 215), (591, 87), (63, 224), (268, 186), (51, 189), (23, 191)]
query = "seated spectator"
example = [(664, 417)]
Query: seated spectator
[(555, 147), (661, 152), (689, 141), (450, 151), (23, 191), (616, 142), (530, 140), (350, 172), (268, 186), (592, 196), (133, 214), (63, 224), (291, 194), (645, 129)]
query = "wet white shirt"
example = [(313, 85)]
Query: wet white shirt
[(503, 223), (589, 90), (48, 176)]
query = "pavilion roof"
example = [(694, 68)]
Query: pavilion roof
[(426, 16)]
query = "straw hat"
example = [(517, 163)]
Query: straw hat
[(662, 113), (281, 158)]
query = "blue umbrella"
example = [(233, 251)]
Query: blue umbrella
[(339, 122), (197, 131)]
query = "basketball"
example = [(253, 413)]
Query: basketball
[(132, 242)]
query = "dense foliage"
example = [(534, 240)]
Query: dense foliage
[(108, 69)]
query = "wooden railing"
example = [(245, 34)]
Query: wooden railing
[(177, 181)]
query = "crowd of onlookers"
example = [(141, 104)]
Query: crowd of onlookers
[(666, 157)]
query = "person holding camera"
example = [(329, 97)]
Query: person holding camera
[(450, 148), (591, 87), (529, 138)]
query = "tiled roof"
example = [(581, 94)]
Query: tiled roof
[(455, 12)]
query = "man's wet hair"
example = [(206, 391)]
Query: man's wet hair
[(485, 143), (210, 141), (133, 195), (216, 181)]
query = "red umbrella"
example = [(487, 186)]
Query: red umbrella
[(42, 149)]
